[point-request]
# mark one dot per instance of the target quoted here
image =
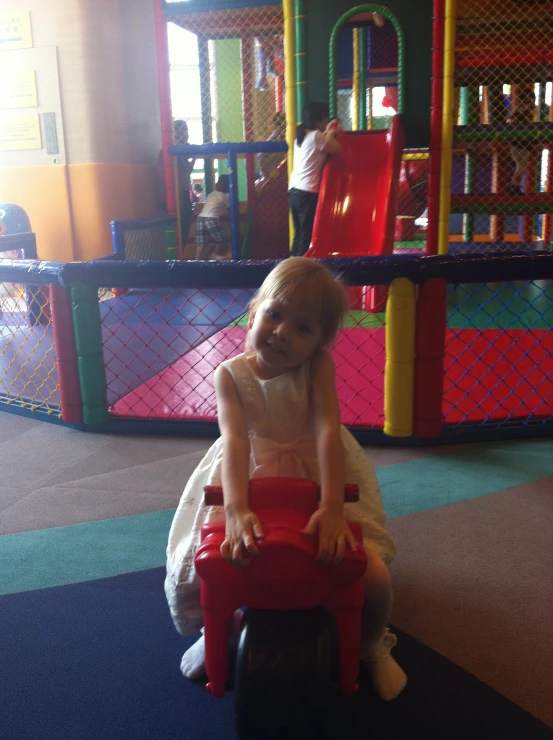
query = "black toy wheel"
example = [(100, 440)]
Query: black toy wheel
[(283, 674)]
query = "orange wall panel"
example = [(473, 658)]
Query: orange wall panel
[(42, 192), (101, 193)]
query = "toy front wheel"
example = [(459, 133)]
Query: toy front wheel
[(283, 674)]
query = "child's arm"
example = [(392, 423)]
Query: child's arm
[(332, 146), (243, 526), (329, 521)]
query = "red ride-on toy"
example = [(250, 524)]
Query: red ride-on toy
[(285, 654)]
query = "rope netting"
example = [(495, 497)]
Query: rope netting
[(227, 85), (28, 375), (147, 243), (161, 348), (499, 354), (503, 129)]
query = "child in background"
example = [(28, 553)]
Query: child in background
[(524, 113), (315, 140), (279, 415), (211, 235), (196, 193)]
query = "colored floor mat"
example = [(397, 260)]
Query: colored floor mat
[(185, 390), (145, 331)]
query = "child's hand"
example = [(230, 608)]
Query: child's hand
[(334, 534), (243, 528), (334, 127)]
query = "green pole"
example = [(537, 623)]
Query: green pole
[(464, 106), (542, 116), (205, 95), (300, 57), (333, 76), (468, 218), (542, 107), (469, 114), (362, 126), (90, 357)]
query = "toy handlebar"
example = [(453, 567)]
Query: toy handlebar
[(213, 495)]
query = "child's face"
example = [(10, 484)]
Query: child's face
[(284, 334)]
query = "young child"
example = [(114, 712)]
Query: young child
[(315, 140), (279, 416), (524, 113), (211, 235)]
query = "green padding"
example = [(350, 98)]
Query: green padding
[(508, 306), (484, 132), (54, 557), (421, 246), (363, 320), (353, 319), (88, 340)]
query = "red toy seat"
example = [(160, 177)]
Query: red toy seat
[(284, 576)]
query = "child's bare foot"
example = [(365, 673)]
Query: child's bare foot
[(388, 678), (192, 664)]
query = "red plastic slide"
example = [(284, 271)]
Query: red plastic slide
[(357, 201)]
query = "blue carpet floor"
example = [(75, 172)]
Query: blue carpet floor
[(99, 661)]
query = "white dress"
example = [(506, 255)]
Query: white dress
[(279, 418)]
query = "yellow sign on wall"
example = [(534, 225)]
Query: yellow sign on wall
[(19, 131), (18, 89), (15, 29)]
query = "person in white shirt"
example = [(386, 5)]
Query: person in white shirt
[(210, 233), (315, 140)]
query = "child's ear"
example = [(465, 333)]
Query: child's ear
[(251, 318)]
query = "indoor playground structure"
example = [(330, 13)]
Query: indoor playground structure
[(437, 214)]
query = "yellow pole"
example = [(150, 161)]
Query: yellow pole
[(370, 118), (447, 127), (399, 372), (415, 156), (355, 82), (290, 81)]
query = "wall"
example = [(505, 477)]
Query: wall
[(228, 75), (415, 17), (108, 123)]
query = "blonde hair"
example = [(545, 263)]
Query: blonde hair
[(315, 282)]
